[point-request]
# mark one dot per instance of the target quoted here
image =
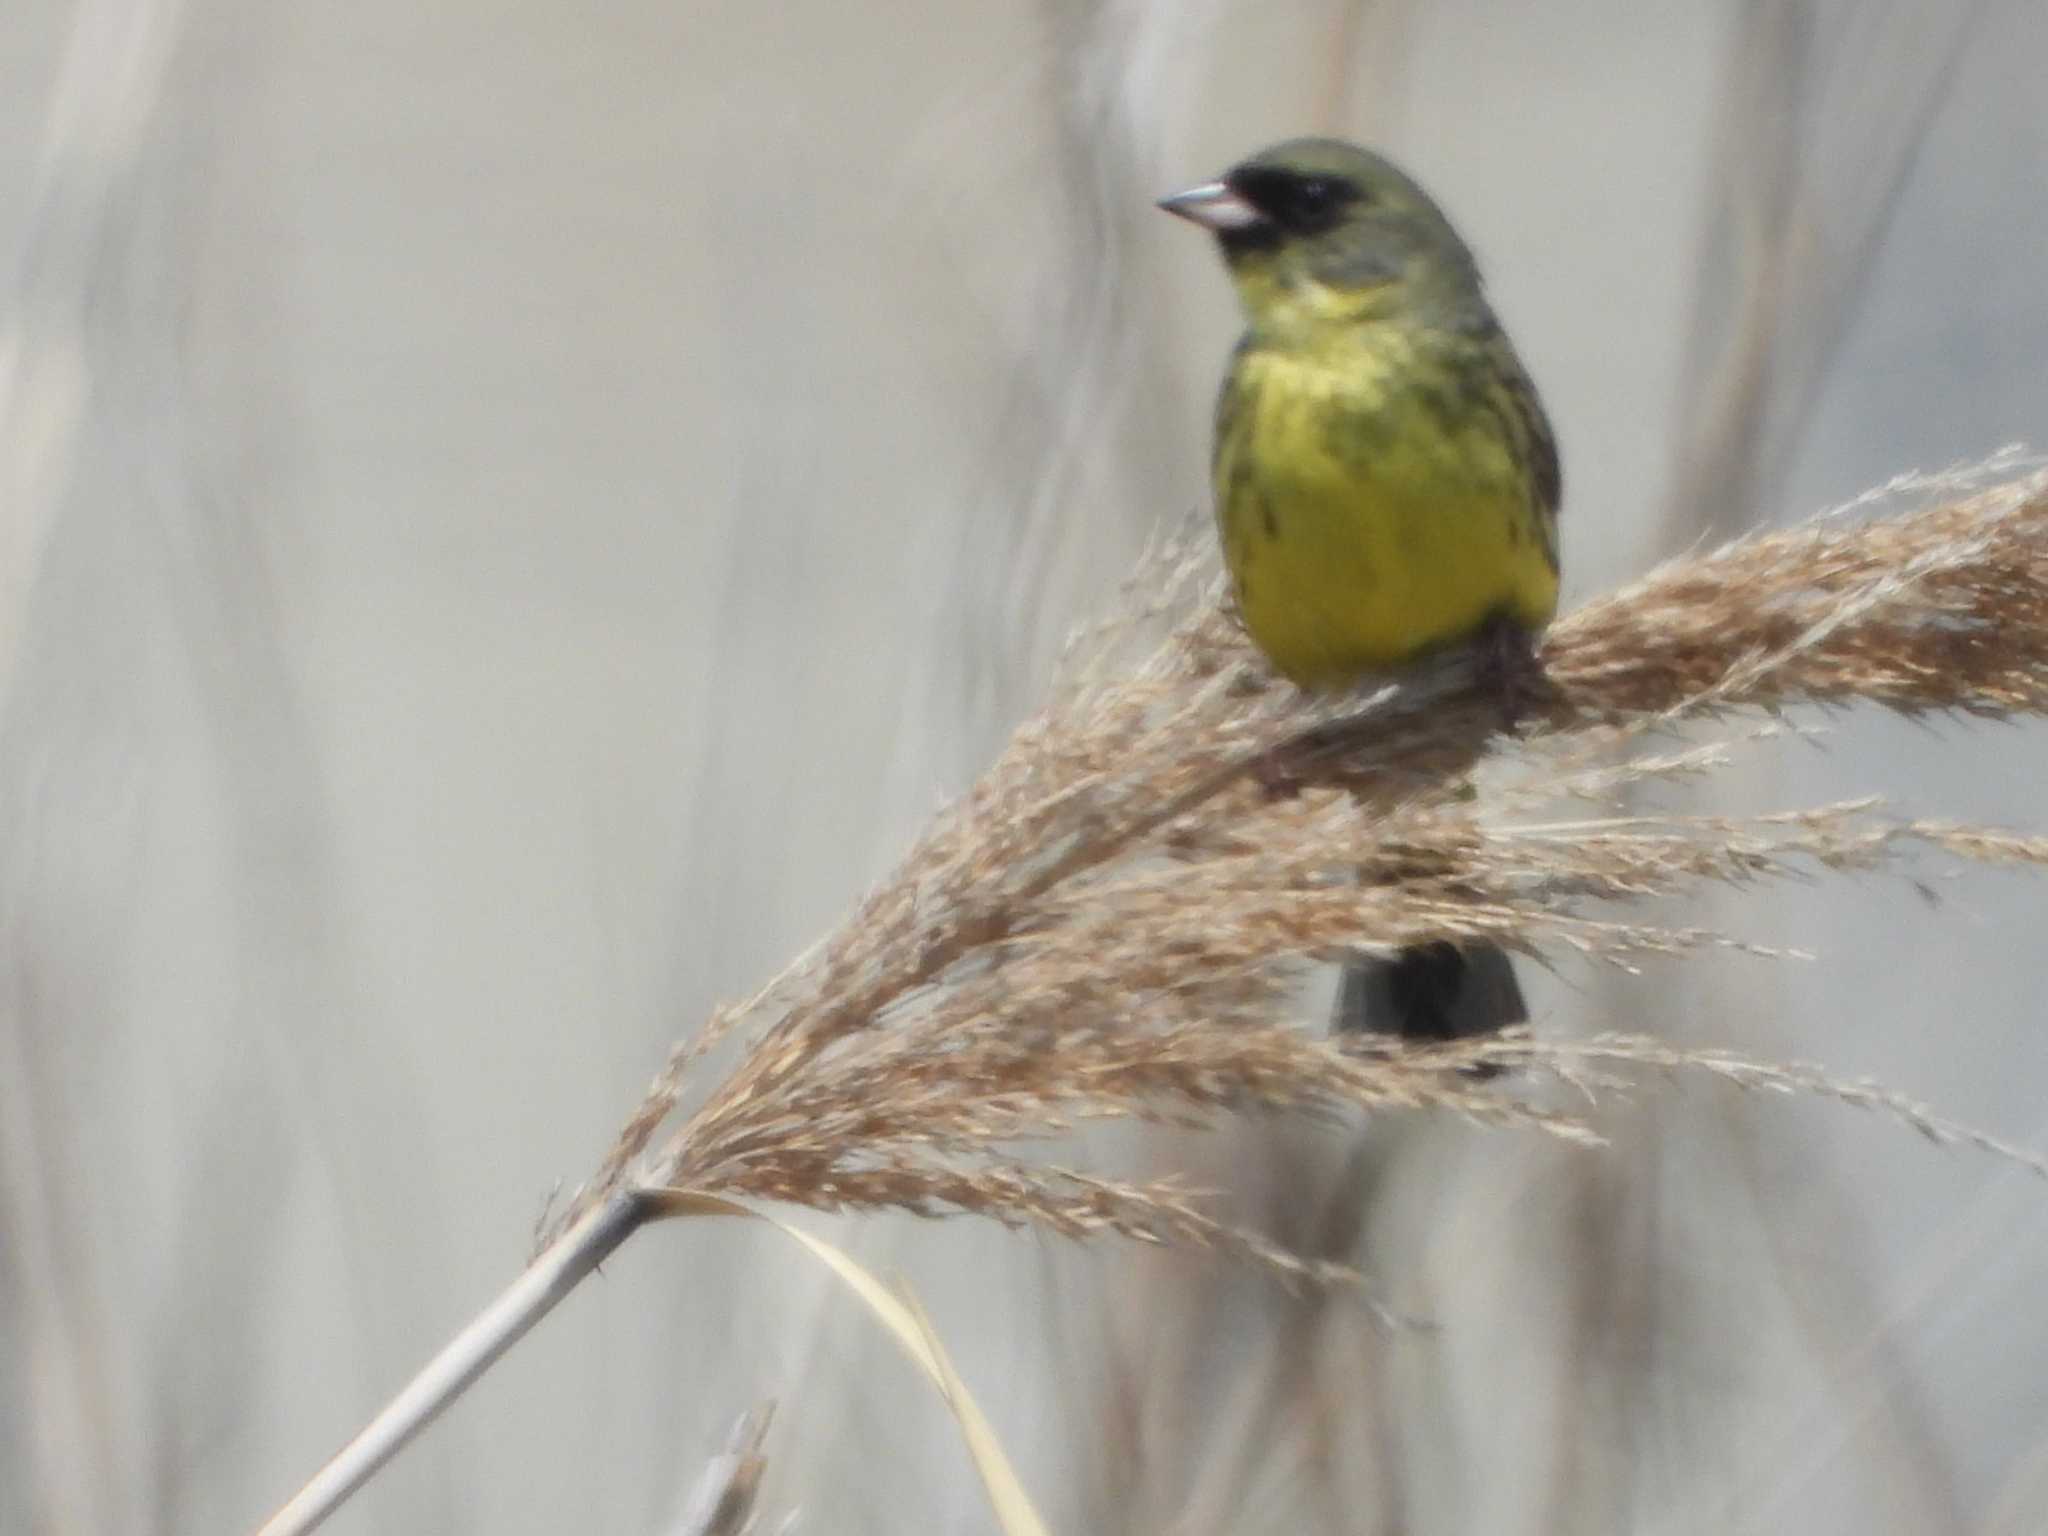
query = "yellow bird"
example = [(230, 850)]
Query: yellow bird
[(1386, 481)]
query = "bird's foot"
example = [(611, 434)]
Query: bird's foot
[(1511, 671)]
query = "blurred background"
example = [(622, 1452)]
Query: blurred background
[(511, 515)]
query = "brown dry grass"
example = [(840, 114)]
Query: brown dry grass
[(1114, 920)]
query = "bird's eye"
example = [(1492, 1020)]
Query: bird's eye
[(1311, 204)]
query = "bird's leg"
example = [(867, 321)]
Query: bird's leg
[(1510, 670)]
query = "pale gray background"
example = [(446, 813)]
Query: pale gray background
[(511, 514)]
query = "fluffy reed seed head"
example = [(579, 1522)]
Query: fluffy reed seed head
[(1112, 922)]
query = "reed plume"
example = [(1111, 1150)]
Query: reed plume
[(1114, 920), (1112, 923)]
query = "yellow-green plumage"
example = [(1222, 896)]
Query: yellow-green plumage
[(1363, 524), (1385, 480)]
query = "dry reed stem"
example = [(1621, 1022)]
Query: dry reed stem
[(1112, 921)]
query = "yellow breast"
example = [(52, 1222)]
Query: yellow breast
[(1375, 503)]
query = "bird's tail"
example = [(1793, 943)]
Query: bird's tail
[(1432, 992)]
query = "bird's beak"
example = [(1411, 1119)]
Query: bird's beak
[(1213, 206)]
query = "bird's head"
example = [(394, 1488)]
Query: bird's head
[(1315, 230)]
